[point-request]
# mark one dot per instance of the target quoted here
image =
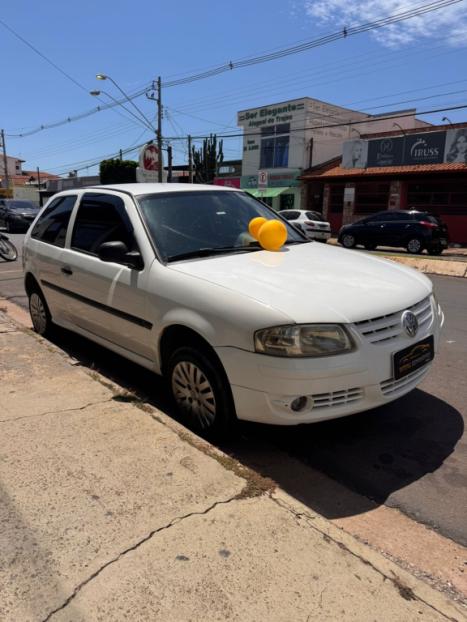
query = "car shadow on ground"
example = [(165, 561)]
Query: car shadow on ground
[(338, 468)]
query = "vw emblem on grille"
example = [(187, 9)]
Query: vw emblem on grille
[(409, 323)]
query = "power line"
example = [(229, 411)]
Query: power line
[(308, 45), (43, 56), (248, 61)]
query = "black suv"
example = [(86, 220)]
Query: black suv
[(408, 228)]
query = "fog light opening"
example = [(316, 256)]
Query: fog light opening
[(299, 404)]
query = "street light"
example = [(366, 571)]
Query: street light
[(96, 93), (103, 76), (448, 120), (401, 128)]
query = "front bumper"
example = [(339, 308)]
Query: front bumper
[(264, 387)]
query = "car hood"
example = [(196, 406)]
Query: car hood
[(315, 283)]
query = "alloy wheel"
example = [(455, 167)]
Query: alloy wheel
[(38, 313), (348, 240), (414, 246), (194, 393)]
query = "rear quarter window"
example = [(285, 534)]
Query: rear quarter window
[(52, 224)]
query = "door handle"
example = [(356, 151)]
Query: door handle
[(67, 270)]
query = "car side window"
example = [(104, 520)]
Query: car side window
[(101, 218), (53, 222)]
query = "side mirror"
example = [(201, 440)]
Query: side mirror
[(118, 252)]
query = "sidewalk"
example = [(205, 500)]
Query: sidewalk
[(453, 262), (111, 511)]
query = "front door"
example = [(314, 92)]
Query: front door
[(107, 299)]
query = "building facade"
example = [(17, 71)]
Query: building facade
[(423, 168), (282, 140)]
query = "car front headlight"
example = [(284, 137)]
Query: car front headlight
[(303, 340)]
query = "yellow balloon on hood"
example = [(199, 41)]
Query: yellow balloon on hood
[(255, 225), (272, 235)]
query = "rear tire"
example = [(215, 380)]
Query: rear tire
[(201, 392), (370, 247), (435, 251), (39, 312), (414, 246), (348, 240)]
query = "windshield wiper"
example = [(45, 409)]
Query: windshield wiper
[(206, 252)]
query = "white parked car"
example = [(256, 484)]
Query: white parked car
[(167, 276), (311, 223)]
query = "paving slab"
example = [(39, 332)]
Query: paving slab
[(246, 560)]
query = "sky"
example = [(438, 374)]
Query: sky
[(417, 63)]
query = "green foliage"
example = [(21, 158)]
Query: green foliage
[(118, 171), (207, 160)]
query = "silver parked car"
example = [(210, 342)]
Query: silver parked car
[(311, 223)]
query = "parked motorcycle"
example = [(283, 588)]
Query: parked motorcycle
[(8, 250)]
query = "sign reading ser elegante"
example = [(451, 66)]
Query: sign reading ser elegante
[(423, 148)]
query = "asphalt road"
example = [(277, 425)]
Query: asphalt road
[(411, 454)]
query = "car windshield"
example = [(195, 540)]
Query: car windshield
[(20, 206), (184, 224)]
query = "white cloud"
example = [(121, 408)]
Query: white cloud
[(448, 24)]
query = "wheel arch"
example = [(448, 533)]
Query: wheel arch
[(176, 335), (30, 283)]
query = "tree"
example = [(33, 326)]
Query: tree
[(207, 160), (118, 171)]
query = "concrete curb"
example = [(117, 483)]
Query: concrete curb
[(440, 267)]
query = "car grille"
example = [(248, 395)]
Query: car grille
[(407, 383), (336, 398), (386, 328)]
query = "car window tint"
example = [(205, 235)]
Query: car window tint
[(381, 217), (290, 215), (53, 222), (101, 218), (314, 216)]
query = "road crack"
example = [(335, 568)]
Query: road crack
[(134, 547), (404, 591)]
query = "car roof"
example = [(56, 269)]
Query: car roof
[(153, 188)]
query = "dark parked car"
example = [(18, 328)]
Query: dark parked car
[(17, 215), (413, 230)]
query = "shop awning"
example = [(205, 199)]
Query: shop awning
[(267, 192)]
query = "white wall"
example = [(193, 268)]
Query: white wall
[(11, 165)]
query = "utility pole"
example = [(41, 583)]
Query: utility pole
[(5, 161), (190, 161), (39, 185), (159, 125), (121, 155), (157, 86), (169, 163)]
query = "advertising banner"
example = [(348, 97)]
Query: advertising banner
[(424, 148), (355, 153), (456, 146), (385, 152)]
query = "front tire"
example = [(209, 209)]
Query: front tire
[(348, 240), (39, 312), (414, 246), (201, 392), (370, 247)]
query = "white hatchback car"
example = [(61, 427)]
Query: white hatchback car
[(311, 223), (167, 276)]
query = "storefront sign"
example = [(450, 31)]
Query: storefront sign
[(274, 180), (424, 148), (385, 152), (148, 169), (230, 182), (281, 113)]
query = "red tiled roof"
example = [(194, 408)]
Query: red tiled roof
[(338, 171), (23, 180)]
